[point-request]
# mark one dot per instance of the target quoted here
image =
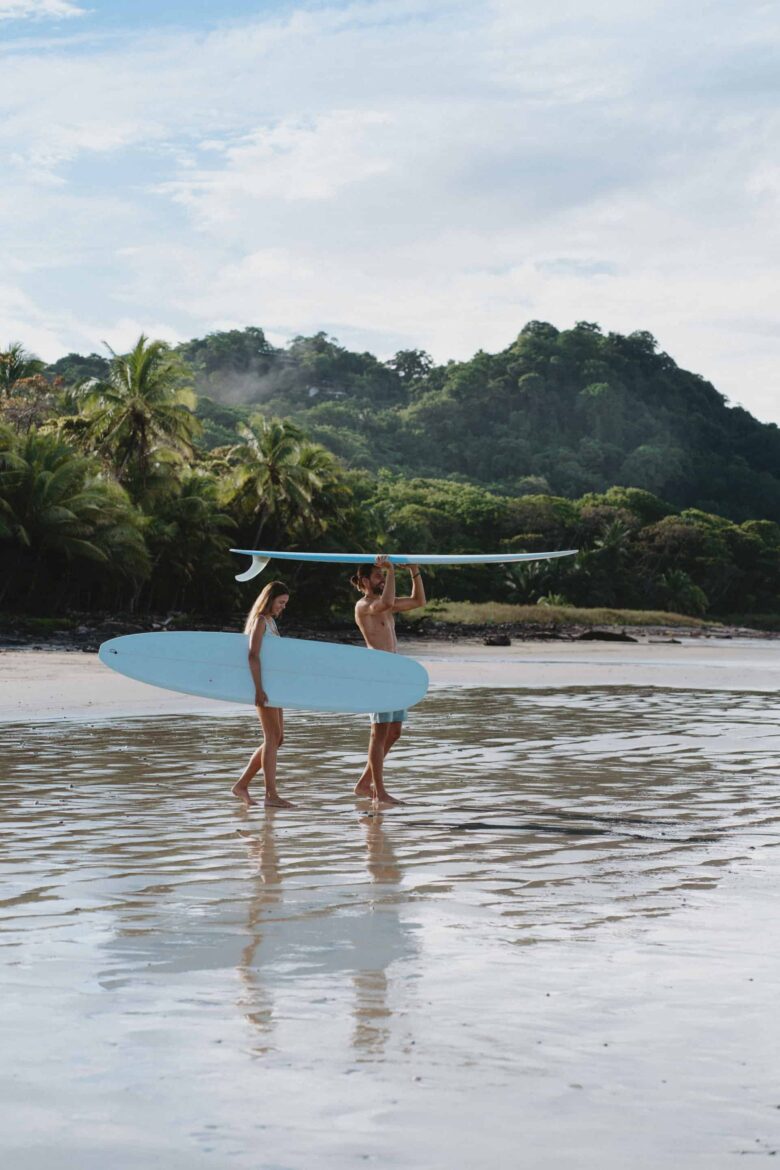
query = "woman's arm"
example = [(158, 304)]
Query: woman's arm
[(255, 640)]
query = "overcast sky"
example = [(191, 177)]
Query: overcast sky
[(400, 174)]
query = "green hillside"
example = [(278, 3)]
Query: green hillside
[(125, 479), (565, 412)]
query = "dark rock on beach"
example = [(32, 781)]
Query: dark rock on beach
[(605, 636)]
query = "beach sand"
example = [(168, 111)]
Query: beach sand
[(562, 951), (67, 684)]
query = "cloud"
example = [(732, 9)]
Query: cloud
[(37, 9), (311, 160), (412, 174), (52, 335)]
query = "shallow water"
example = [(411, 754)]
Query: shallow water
[(561, 951)]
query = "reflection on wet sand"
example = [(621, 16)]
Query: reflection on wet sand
[(536, 807), (569, 902), (365, 943), (256, 1002), (372, 1011)]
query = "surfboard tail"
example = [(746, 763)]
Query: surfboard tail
[(256, 567)]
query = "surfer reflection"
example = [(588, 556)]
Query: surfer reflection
[(262, 623), (371, 1011), (323, 942), (375, 617), (257, 1002)]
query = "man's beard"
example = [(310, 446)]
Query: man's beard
[(377, 589)]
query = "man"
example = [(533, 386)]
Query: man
[(375, 616)]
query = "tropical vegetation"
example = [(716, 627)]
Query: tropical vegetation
[(126, 477)]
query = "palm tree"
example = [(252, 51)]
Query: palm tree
[(189, 537), (602, 568), (682, 594), (527, 580), (11, 471), (55, 508), (331, 497), (274, 479), (139, 418), (17, 364)]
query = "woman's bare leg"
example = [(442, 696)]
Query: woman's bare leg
[(241, 786), (264, 759), (271, 719)]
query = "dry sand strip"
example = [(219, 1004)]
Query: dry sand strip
[(752, 664), (37, 685)]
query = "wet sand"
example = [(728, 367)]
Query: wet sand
[(562, 951)]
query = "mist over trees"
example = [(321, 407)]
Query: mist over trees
[(569, 411), (125, 478)]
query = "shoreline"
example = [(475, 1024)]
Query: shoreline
[(87, 636), (42, 685)]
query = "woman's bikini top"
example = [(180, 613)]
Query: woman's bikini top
[(270, 625)]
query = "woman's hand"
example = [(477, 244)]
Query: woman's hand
[(261, 699)]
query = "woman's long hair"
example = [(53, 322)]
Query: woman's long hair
[(264, 602)]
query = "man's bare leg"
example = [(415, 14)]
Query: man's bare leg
[(365, 785), (371, 783)]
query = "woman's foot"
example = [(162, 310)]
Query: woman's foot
[(242, 792), (383, 799), (364, 787), (275, 801)]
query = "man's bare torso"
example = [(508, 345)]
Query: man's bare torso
[(378, 629)]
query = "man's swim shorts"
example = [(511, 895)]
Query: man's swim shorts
[(388, 716)]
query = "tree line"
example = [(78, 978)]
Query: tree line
[(561, 412), (124, 479)]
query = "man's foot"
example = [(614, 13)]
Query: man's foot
[(384, 799), (277, 802), (242, 792)]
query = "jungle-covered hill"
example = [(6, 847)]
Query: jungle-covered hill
[(124, 480), (561, 412)]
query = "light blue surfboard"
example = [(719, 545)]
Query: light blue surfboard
[(261, 557), (314, 676)]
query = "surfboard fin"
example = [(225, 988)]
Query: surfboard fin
[(257, 566)]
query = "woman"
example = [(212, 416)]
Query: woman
[(260, 624)]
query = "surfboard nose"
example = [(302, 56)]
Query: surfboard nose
[(109, 650)]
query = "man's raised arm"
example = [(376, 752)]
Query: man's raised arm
[(386, 601), (417, 597)]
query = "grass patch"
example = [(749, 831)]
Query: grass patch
[(491, 613), (37, 625)]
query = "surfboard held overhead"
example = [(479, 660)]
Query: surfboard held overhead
[(261, 557), (311, 676)]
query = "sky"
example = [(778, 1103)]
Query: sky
[(399, 173)]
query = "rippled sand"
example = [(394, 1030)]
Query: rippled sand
[(562, 951)]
